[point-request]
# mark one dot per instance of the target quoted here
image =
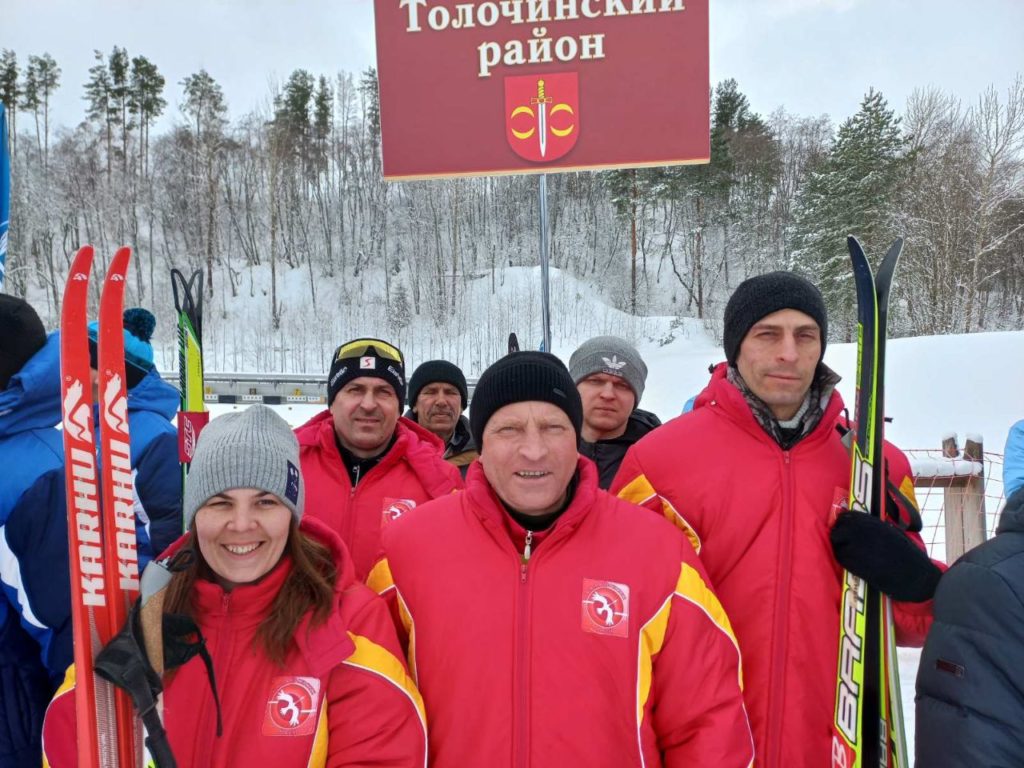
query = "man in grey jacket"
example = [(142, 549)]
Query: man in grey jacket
[(610, 376)]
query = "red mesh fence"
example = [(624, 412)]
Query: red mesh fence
[(934, 474)]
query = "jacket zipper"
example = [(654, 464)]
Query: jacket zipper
[(522, 659), (780, 640), (221, 657), (352, 511)]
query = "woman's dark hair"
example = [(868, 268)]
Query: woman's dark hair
[(308, 588)]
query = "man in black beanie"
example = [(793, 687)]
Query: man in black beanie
[(540, 602), (364, 464), (753, 475), (437, 397)]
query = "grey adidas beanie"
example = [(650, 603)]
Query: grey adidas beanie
[(254, 448), (611, 355)]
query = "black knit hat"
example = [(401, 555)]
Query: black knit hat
[(759, 296), (519, 377), (366, 357), (434, 371), (21, 335)]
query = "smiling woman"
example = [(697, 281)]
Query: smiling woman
[(297, 647)]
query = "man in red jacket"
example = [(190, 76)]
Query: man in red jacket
[(751, 476), (549, 623), (365, 466)]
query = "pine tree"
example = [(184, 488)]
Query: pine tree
[(205, 105), (852, 192), (97, 94), (42, 77), (10, 92), (399, 313), (118, 65), (146, 102)]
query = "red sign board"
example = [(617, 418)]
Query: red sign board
[(520, 86)]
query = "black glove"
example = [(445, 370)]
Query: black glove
[(882, 555), (123, 662)]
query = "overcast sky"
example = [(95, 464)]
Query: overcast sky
[(811, 56)]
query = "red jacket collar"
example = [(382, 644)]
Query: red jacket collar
[(323, 646), (486, 505), (420, 447), (721, 393)]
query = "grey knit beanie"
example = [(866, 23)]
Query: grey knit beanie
[(611, 355), (254, 448)]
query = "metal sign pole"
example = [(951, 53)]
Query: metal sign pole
[(545, 304)]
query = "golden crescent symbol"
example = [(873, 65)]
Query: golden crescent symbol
[(521, 111), (561, 132)]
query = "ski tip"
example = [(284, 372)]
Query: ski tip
[(81, 266), (855, 248)]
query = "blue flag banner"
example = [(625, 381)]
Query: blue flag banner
[(5, 193)]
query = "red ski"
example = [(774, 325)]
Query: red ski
[(101, 517), (90, 601), (119, 546)]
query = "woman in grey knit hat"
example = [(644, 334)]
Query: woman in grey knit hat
[(297, 647)]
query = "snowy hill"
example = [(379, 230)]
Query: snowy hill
[(966, 383)]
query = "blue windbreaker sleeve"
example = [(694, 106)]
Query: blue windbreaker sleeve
[(1013, 460), (158, 487), (34, 569)]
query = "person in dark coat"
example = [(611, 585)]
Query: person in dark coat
[(610, 376), (970, 683), (35, 625), (438, 396)]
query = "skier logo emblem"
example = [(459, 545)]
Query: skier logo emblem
[(116, 414), (395, 508), (605, 608), (76, 423), (292, 706), (367, 362), (542, 119)]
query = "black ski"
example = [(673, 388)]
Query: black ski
[(868, 726)]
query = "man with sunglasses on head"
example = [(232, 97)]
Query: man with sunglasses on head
[(363, 464)]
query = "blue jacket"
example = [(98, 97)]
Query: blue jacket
[(1013, 460), (970, 684), (35, 626), (152, 403)]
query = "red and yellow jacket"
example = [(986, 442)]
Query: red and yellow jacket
[(604, 648), (411, 473), (342, 698), (759, 517)]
